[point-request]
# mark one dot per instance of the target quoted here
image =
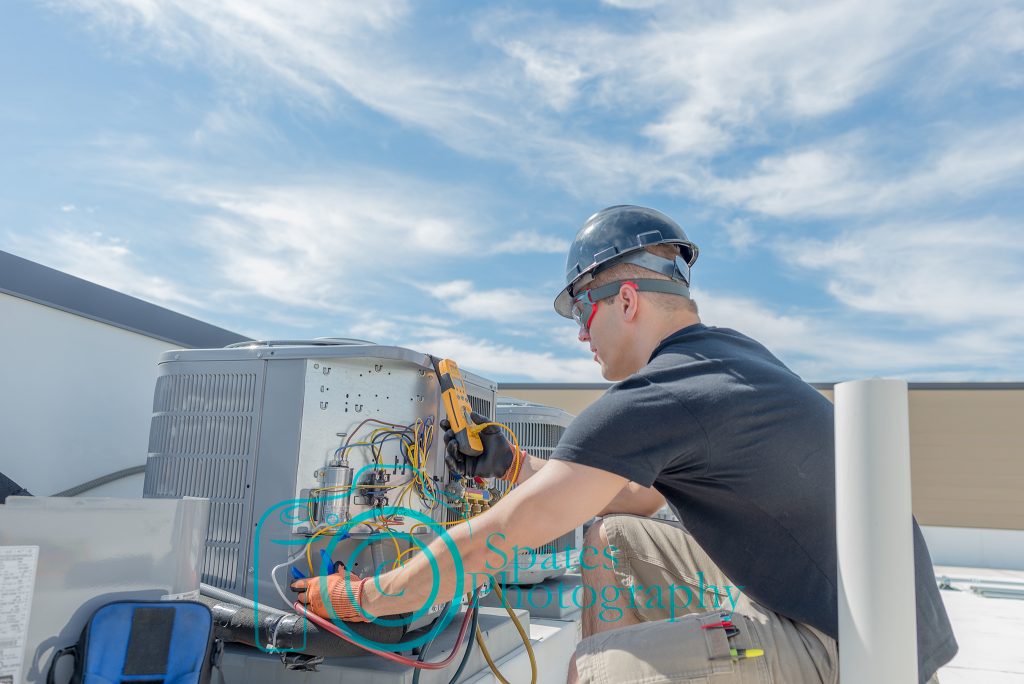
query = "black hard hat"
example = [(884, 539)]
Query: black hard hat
[(618, 235)]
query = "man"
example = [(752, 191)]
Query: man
[(707, 420)]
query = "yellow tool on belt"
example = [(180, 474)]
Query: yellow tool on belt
[(456, 406)]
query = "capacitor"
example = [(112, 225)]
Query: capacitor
[(335, 493)]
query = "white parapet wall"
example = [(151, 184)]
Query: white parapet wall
[(975, 548), (76, 398)]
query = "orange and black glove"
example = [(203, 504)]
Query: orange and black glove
[(342, 589)]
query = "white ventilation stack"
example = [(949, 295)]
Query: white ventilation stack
[(874, 534)]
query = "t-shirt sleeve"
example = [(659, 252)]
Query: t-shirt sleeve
[(637, 430)]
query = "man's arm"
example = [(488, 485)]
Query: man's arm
[(559, 497), (636, 500)]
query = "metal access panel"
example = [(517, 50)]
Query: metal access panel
[(92, 551), (245, 664), (538, 429), (256, 429)]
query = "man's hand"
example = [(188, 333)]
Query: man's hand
[(342, 589), (497, 459)]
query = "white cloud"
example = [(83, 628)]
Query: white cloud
[(509, 306), (639, 104), (106, 261), (531, 241), (741, 235), (324, 244), (838, 179), (700, 78), (492, 359), (68, 208), (634, 4), (226, 122), (807, 182), (957, 272), (980, 56), (392, 328), (300, 45), (338, 242), (712, 74), (377, 330), (775, 330), (825, 348), (558, 76), (974, 163)]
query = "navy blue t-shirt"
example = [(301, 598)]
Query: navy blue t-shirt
[(743, 451)]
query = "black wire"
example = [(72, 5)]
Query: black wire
[(352, 434), (377, 443), (422, 657), (470, 638)]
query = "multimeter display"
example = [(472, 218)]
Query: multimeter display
[(456, 406)]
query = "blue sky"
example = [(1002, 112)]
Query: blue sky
[(412, 173)]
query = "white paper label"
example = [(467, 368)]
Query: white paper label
[(184, 596), (17, 582)]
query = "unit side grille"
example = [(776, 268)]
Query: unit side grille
[(174, 477), (480, 405), (205, 393), (566, 541), (540, 439), (200, 435), (201, 444), (221, 562)]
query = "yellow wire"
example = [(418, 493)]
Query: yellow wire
[(453, 522), (515, 443), (522, 635), (408, 550), (487, 657), (386, 528), (413, 451)]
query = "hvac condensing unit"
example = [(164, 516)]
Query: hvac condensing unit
[(292, 439), (538, 428)]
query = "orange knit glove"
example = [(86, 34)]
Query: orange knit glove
[(343, 590), (512, 474)]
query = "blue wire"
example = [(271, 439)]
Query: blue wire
[(349, 446)]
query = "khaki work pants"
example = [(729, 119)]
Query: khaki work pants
[(676, 590)]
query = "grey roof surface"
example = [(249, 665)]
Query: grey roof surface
[(989, 630), (43, 285)]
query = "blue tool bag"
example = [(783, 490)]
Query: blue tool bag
[(143, 642)]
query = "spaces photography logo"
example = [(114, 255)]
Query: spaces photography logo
[(346, 542)]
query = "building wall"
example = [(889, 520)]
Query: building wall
[(966, 450), (76, 398)]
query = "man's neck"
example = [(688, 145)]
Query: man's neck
[(662, 328)]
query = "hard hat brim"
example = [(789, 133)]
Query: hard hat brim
[(563, 303)]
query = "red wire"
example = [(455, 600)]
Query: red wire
[(439, 665)]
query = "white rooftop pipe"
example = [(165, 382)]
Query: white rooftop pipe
[(874, 534)]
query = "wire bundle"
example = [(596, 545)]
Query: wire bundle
[(415, 441), (472, 613)]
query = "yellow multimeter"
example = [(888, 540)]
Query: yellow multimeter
[(456, 406)]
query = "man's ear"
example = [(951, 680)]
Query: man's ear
[(630, 302)]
